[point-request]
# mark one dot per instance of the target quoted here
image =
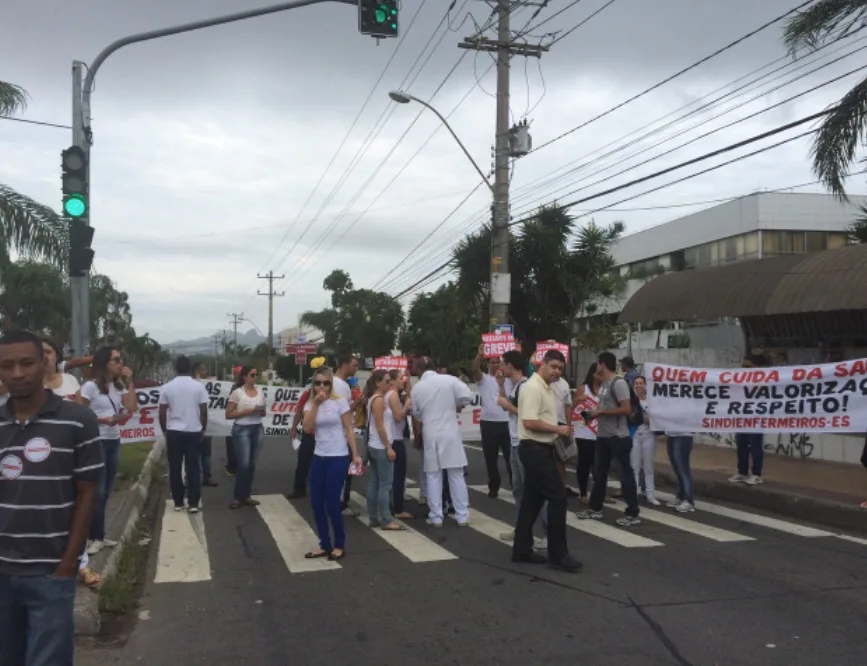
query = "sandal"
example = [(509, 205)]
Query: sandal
[(235, 505), (393, 527), (89, 577), (315, 555), (251, 502), (333, 558), (405, 515)]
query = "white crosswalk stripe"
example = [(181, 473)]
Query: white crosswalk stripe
[(183, 553), (411, 544), (480, 522), (620, 537)]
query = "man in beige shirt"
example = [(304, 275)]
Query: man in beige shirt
[(538, 427)]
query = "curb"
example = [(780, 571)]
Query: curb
[(789, 503), (86, 609)]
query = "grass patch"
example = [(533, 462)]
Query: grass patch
[(132, 459), (118, 593)]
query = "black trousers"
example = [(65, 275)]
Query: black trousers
[(305, 459), (542, 483), (608, 449), (586, 456), (231, 462), (496, 440), (184, 450)]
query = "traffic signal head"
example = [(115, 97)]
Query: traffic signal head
[(80, 253), (75, 185), (378, 18)]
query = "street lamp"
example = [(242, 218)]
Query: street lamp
[(405, 98)]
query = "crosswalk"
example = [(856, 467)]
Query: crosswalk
[(183, 554)]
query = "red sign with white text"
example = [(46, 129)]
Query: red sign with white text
[(391, 363), (495, 345), (542, 347)]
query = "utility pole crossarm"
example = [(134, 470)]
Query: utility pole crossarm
[(493, 46)]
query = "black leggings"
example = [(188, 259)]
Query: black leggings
[(586, 458)]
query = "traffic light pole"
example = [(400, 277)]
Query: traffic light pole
[(79, 287), (82, 134)]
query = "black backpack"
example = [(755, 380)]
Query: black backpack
[(636, 413)]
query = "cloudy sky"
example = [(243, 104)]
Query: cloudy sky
[(209, 146)]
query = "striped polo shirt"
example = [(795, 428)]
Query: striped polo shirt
[(41, 461)]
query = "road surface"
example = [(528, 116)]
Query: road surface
[(725, 585)]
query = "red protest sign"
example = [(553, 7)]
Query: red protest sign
[(542, 347), (391, 363), (300, 352), (495, 345)]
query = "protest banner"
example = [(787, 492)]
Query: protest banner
[(829, 398), (494, 345), (543, 347), (280, 406), (391, 363)]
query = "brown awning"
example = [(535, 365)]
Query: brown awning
[(795, 283)]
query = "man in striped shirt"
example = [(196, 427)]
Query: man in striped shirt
[(50, 463)]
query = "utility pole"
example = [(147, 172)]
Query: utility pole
[(216, 354), (271, 294), (504, 47), (236, 319)]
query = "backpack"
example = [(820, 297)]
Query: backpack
[(636, 413)]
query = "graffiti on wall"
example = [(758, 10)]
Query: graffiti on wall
[(793, 445)]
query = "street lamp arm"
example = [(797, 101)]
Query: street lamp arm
[(93, 68), (449, 128)]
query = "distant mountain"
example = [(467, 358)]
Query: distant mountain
[(206, 345)]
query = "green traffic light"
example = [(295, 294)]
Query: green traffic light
[(75, 206), (380, 16)]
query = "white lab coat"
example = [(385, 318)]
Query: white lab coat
[(436, 400)]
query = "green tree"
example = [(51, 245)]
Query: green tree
[(363, 320), (35, 297), (842, 130), (438, 325), (858, 229), (558, 273), (29, 228)]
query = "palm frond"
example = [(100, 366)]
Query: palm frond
[(825, 21), (13, 99), (30, 228), (835, 144)]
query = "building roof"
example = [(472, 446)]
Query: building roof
[(796, 283), (781, 211)]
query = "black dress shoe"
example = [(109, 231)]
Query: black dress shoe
[(568, 565)]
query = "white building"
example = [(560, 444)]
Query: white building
[(751, 227), (293, 334)]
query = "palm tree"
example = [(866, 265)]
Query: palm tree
[(842, 129), (858, 229), (27, 227)]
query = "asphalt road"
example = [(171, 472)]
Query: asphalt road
[(743, 594)]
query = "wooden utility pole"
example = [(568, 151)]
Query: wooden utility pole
[(271, 294), (236, 318)]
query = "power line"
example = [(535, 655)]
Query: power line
[(34, 122)]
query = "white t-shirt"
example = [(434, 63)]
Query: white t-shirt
[(563, 398), (104, 405), (513, 418), (341, 388), (68, 388), (330, 436), (374, 441), (244, 402), (489, 390), (184, 397)]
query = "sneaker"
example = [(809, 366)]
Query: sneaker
[(465, 523), (628, 521), (193, 509), (350, 512), (738, 478), (95, 547), (108, 543), (685, 507), (651, 499), (540, 544), (433, 523), (507, 536), (589, 514), (179, 508), (673, 503), (753, 480)]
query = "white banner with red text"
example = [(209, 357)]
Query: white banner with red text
[(280, 404), (829, 398)]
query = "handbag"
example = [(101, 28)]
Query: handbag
[(566, 448)]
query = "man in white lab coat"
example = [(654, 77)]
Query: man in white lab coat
[(436, 401)]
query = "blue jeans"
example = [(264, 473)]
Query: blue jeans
[(398, 485), (111, 454), (207, 453), (184, 449), (679, 451), (327, 476), (36, 621), (379, 480), (750, 444), (248, 441), (518, 474)]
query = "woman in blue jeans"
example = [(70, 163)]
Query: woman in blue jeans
[(246, 407), (679, 445), (327, 414), (380, 451), (111, 397)]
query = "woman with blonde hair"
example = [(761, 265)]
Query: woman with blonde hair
[(380, 427), (327, 414)]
